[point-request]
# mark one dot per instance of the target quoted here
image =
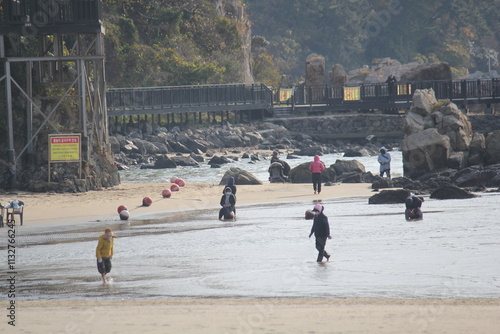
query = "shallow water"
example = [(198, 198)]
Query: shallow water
[(453, 252), (205, 174)]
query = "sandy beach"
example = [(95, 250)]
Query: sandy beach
[(225, 315)]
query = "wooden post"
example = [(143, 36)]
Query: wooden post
[(10, 123)]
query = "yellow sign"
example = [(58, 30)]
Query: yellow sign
[(64, 148), (351, 94), (404, 89), (285, 94)]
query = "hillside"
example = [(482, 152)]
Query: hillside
[(465, 34)]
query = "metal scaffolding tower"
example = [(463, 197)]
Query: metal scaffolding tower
[(53, 56)]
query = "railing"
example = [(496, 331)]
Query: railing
[(160, 99), (458, 90), (29, 16)]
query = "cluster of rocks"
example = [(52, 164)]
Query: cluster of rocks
[(157, 147)]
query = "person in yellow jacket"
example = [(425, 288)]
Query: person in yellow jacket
[(104, 253)]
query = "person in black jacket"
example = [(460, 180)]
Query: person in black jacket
[(413, 207), (228, 202), (321, 230)]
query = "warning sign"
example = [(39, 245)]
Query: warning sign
[(351, 93), (64, 148)]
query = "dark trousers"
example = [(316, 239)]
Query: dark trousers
[(104, 266), (316, 179), (224, 212), (320, 246)]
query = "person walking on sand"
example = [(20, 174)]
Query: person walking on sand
[(384, 159), (316, 167), (104, 253), (321, 230)]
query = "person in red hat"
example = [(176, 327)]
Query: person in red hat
[(321, 230)]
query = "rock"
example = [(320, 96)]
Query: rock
[(185, 161), (196, 145), (337, 75), (292, 156), (451, 192), (428, 72), (315, 70), (348, 166), (218, 160), (197, 157), (424, 151), (302, 174), (240, 177), (389, 197), (178, 147), (145, 147), (115, 144), (163, 161), (356, 152), (381, 183), (423, 102), (311, 151), (492, 153), (457, 160)]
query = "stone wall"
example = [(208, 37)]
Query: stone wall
[(348, 127), (484, 123), (359, 126)]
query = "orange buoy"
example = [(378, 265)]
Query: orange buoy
[(147, 201), (166, 193), (174, 187)]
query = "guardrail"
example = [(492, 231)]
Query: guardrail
[(486, 91), (177, 99)]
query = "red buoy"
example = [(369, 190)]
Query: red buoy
[(309, 214), (180, 182), (173, 179), (147, 201), (174, 187), (166, 193), (121, 208)]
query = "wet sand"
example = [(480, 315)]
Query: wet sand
[(226, 315)]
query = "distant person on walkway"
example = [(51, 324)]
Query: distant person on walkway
[(391, 86), (384, 159), (230, 184), (316, 167), (104, 253), (228, 203), (413, 207), (321, 230)]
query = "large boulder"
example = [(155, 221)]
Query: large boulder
[(302, 174), (315, 70), (450, 121), (423, 102), (424, 151), (219, 160), (185, 161), (240, 177), (163, 161), (348, 166), (492, 153), (337, 75), (389, 197), (428, 72), (451, 192)]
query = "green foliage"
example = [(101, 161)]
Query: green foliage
[(168, 42), (354, 32)]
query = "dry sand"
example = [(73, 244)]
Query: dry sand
[(270, 315)]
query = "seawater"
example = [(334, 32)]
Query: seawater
[(451, 253)]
